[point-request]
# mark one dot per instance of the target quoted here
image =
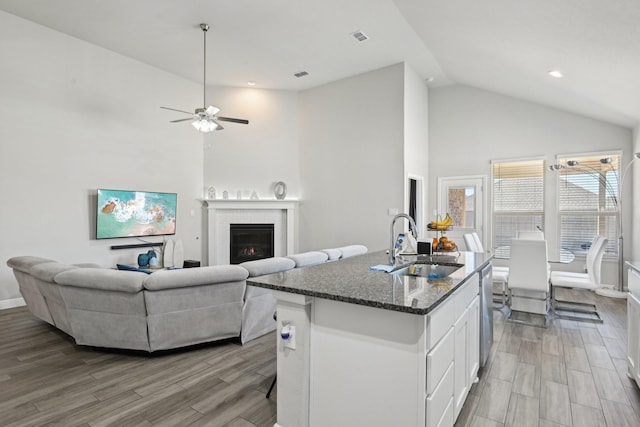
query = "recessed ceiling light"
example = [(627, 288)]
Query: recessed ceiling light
[(556, 73), (251, 83)]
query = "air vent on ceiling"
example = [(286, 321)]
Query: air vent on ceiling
[(301, 74), (360, 36)]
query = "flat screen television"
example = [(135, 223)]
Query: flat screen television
[(123, 213)]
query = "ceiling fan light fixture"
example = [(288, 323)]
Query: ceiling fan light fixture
[(556, 74), (205, 125)]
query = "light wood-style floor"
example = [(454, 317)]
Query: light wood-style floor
[(571, 374), (47, 380)]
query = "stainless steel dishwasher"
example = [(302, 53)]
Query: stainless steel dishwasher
[(486, 313)]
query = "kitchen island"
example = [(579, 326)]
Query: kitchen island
[(369, 348)]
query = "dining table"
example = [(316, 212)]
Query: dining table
[(565, 255)]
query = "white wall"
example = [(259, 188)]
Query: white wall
[(351, 159), (633, 181), (74, 118), (416, 140), (468, 127), (255, 156)]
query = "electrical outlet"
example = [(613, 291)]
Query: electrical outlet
[(288, 335)]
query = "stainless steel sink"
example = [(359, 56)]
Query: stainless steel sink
[(430, 271)]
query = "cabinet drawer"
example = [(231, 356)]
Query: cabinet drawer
[(447, 417), (439, 322), (439, 401), (438, 360), (464, 296)]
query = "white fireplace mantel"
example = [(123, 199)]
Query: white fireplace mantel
[(220, 212)]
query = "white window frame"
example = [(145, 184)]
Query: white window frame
[(610, 254)]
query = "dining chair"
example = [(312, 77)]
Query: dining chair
[(528, 282), (471, 243), (591, 280), (499, 275)]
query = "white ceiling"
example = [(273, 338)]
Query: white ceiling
[(504, 46)]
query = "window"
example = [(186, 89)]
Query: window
[(588, 200), (518, 198)]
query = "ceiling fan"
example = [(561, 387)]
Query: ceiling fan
[(206, 119)]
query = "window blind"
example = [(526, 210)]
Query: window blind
[(518, 199), (588, 201)]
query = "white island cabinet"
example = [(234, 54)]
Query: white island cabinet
[(358, 365), (633, 322)]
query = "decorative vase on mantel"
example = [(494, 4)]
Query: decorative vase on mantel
[(280, 190), (211, 193)]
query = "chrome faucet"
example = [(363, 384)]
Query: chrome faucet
[(412, 228)]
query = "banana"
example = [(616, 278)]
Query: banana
[(441, 225)]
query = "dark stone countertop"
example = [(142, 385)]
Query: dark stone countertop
[(350, 280)]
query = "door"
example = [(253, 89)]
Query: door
[(463, 199), (415, 208)]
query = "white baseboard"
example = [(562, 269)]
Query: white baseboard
[(11, 303)]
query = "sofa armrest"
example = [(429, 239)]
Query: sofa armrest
[(185, 277), (24, 263), (306, 259), (105, 279)]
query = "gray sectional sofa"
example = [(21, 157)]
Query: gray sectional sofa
[(163, 310)]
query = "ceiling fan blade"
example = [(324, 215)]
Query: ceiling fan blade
[(211, 110), (179, 111), (231, 119), (181, 120)]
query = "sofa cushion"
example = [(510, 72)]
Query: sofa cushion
[(24, 263), (272, 265), (48, 270), (352, 250), (87, 265), (306, 259), (333, 254), (180, 278), (105, 279)]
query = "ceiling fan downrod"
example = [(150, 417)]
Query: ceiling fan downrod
[(205, 28)]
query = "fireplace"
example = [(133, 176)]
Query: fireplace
[(222, 213), (248, 242)]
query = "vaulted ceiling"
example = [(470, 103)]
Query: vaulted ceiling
[(504, 46)]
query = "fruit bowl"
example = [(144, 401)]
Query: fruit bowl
[(438, 227), (446, 248)]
